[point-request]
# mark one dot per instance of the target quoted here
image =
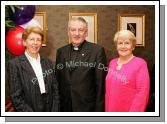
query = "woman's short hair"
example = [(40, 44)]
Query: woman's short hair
[(125, 34), (80, 19), (31, 29)]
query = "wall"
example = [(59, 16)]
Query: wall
[(107, 25)]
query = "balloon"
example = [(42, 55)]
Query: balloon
[(33, 22), (24, 14), (14, 41)]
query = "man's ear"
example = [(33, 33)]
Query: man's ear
[(86, 32)]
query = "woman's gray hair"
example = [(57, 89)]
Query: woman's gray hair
[(125, 34)]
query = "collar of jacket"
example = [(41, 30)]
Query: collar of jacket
[(23, 57), (78, 47)]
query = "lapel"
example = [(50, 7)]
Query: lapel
[(83, 55), (84, 52), (44, 71), (68, 55), (28, 68), (25, 64)]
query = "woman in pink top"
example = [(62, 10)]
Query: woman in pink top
[(127, 81)]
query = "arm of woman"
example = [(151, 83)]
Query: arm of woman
[(16, 88), (140, 101)]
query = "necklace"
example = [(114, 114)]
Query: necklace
[(120, 64)]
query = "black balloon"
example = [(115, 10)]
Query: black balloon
[(24, 14)]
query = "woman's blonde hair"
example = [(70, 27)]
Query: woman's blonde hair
[(31, 29), (125, 34)]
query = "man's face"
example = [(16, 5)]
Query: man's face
[(77, 32)]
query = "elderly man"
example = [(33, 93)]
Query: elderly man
[(81, 81)]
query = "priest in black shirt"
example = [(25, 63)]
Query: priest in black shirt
[(80, 71)]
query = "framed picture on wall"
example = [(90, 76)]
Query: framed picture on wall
[(40, 20), (91, 19), (136, 24)]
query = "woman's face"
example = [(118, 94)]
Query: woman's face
[(33, 43), (124, 47)]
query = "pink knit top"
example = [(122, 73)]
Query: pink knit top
[(127, 89)]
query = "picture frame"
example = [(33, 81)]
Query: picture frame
[(134, 23), (40, 17), (91, 19)]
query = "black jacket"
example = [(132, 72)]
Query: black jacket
[(24, 87), (82, 87)]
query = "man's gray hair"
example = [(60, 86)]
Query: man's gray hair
[(81, 19)]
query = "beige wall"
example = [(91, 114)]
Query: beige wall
[(107, 25)]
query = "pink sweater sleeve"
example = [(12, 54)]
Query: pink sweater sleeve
[(140, 100)]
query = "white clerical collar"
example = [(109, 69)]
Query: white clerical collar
[(76, 48), (31, 58)]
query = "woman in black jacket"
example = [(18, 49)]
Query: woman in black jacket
[(33, 86)]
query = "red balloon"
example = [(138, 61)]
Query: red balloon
[(14, 41)]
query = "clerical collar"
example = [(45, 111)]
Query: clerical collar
[(76, 48)]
